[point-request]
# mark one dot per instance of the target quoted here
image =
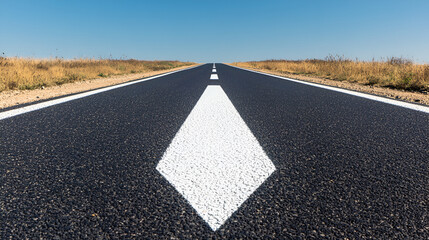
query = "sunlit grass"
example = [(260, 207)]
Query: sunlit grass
[(396, 73), (27, 73)]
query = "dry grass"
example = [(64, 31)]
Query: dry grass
[(395, 73), (25, 73)]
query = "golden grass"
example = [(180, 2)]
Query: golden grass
[(396, 73), (26, 73)]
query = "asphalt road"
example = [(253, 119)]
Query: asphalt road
[(345, 167)]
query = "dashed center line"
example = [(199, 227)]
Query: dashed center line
[(214, 77), (214, 70)]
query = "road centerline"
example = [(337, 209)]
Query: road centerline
[(214, 171), (214, 77)]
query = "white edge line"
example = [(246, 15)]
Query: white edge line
[(37, 106), (411, 106)]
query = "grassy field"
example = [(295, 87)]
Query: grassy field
[(395, 73), (26, 73)]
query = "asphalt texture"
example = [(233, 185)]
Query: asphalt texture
[(346, 167)]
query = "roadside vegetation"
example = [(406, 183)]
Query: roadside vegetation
[(27, 73), (397, 73)]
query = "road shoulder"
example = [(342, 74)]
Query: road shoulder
[(413, 97), (17, 97)]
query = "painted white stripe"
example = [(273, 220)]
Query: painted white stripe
[(214, 65), (214, 77), (214, 160), (37, 106), (214, 70), (412, 106)]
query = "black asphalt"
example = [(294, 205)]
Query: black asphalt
[(347, 167)]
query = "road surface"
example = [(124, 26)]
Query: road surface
[(214, 152)]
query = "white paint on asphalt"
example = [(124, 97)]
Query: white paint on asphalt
[(214, 160), (214, 65), (37, 106), (412, 106), (214, 77), (214, 70)]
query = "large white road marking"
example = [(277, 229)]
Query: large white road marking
[(214, 77), (37, 106), (214, 160), (412, 106), (214, 70)]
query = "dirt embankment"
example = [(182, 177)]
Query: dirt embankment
[(15, 97)]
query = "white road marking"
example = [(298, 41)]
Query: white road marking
[(214, 160), (37, 106), (214, 77), (214, 65), (214, 70), (411, 106)]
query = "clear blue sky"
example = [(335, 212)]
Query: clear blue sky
[(215, 31)]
